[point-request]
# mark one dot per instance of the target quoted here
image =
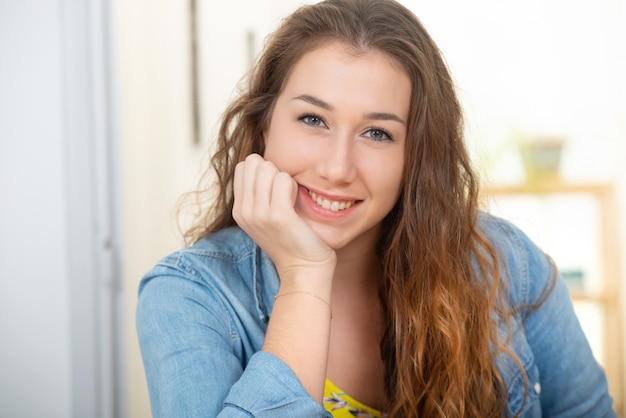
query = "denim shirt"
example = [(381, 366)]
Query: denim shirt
[(203, 312)]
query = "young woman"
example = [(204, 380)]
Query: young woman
[(344, 267)]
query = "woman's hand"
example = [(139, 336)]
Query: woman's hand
[(299, 328), (264, 208)]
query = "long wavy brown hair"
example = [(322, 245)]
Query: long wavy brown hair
[(441, 283)]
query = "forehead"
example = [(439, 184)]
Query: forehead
[(348, 53), (338, 72)]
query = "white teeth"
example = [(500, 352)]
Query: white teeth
[(334, 206)]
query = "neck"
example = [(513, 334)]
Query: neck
[(358, 267)]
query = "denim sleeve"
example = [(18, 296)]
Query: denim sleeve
[(191, 362), (572, 383)]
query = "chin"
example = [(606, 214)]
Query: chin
[(340, 238), (336, 244), (333, 237)]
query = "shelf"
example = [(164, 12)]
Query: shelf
[(601, 189)]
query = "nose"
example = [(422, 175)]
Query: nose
[(338, 165)]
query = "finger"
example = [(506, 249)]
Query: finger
[(284, 192), (242, 196), (238, 193), (248, 187), (238, 181), (263, 187)]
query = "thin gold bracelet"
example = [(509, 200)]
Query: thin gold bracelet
[(307, 293)]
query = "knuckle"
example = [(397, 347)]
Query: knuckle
[(253, 158)]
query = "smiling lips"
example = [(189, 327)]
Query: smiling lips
[(332, 205)]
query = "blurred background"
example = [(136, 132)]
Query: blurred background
[(108, 107)]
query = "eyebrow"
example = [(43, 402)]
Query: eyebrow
[(327, 106)]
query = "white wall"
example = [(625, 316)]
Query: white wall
[(537, 68), (34, 289), (57, 246)]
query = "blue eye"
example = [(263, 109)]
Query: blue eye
[(312, 120), (377, 134)]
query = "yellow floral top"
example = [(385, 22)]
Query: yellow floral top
[(343, 406)]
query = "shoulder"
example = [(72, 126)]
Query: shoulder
[(526, 278), (231, 244), (527, 270), (226, 264), (559, 366), (226, 249), (502, 233)]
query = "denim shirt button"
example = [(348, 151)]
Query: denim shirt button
[(537, 388)]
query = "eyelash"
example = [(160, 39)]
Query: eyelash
[(306, 116), (384, 132), (387, 135)]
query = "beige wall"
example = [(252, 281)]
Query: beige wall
[(158, 159)]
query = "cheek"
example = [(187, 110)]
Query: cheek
[(398, 179), (276, 147), (283, 154), (385, 174), (390, 187), (287, 151), (389, 190)]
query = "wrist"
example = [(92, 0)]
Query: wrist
[(316, 279), (300, 293)]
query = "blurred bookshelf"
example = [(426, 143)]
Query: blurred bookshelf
[(577, 225)]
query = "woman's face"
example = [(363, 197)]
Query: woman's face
[(339, 129)]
